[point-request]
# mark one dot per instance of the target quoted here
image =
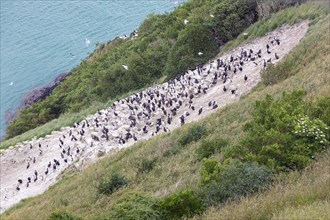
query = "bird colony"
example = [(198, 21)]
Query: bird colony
[(29, 168)]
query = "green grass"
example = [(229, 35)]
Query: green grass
[(294, 196), (176, 167)]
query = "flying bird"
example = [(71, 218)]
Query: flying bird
[(125, 67), (185, 21), (211, 15), (200, 53)]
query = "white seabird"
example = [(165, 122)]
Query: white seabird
[(87, 42)]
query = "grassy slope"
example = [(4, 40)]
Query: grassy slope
[(176, 167), (299, 196)]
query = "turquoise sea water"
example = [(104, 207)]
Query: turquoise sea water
[(41, 39)]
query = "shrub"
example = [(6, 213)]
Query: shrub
[(194, 133), (109, 186), (146, 165), (62, 215), (183, 204), (231, 179), (281, 135), (209, 147), (134, 206)]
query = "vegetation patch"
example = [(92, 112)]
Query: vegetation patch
[(62, 215), (209, 147), (231, 179), (134, 205), (115, 182), (194, 133), (282, 135), (183, 204)]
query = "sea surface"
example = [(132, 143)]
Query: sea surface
[(41, 39)]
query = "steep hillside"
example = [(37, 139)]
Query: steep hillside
[(144, 180)]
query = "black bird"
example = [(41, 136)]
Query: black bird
[(233, 91), (276, 56), (47, 171), (224, 88), (34, 159), (49, 164), (35, 173), (210, 104), (17, 188), (267, 46), (245, 77), (29, 179), (20, 181), (200, 111), (215, 106), (182, 120), (27, 167)]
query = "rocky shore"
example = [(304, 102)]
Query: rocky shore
[(35, 96), (41, 93)]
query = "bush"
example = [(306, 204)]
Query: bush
[(231, 180), (134, 206), (209, 147), (183, 204), (146, 165), (282, 135), (62, 215), (194, 133), (109, 186)]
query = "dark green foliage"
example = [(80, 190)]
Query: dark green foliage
[(209, 147), (62, 215), (321, 110), (183, 204), (109, 186), (194, 133), (231, 179), (282, 135), (134, 206), (165, 47)]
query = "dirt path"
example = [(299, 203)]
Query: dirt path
[(79, 146)]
